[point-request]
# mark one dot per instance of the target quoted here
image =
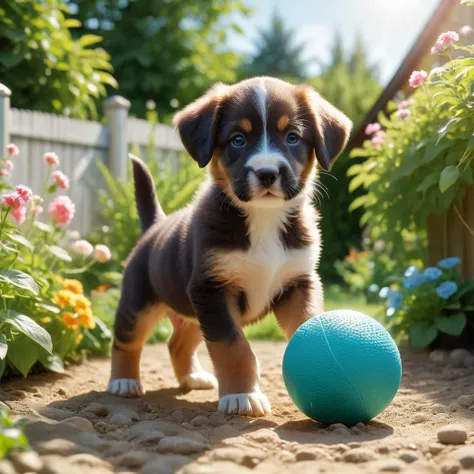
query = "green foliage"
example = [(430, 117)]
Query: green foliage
[(11, 433), (423, 305), (121, 229), (44, 317), (41, 63), (425, 161), (277, 54), (351, 84), (166, 51)]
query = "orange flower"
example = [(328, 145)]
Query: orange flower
[(73, 285), (82, 303), (86, 318), (103, 288), (70, 321), (65, 298)]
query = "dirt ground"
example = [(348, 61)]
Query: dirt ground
[(75, 428)]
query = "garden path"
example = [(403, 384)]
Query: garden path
[(76, 428)]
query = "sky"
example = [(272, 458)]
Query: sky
[(388, 27)]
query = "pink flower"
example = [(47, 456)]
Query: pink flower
[(436, 49), (19, 214), (12, 150), (403, 105), (37, 210), (4, 172), (51, 158), (380, 134), (447, 38), (9, 165), (377, 142), (61, 179), (403, 113), (465, 30), (62, 210), (102, 253), (12, 200), (24, 192), (372, 128), (417, 78)]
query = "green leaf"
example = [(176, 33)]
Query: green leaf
[(433, 150), (3, 366), (452, 325), (52, 362), (72, 23), (60, 253), (23, 354), (18, 238), (19, 280), (28, 327), (448, 177), (3, 346), (429, 181), (422, 334), (88, 40), (43, 227), (443, 131), (465, 287), (52, 189), (114, 277)]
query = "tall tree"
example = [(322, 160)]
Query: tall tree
[(166, 51), (351, 83), (277, 53)]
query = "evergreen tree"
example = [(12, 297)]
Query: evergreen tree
[(276, 53)]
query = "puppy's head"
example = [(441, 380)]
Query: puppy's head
[(262, 137)]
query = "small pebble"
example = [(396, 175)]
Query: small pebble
[(200, 421), (81, 423), (217, 419), (27, 461), (358, 455), (437, 408), (389, 465), (466, 400), (469, 361), (419, 418), (465, 456), (62, 392), (180, 445), (6, 468), (452, 434), (408, 456), (458, 356), (435, 448), (454, 407), (177, 415), (120, 420), (97, 409), (450, 467), (439, 357)]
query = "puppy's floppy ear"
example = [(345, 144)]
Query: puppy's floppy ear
[(331, 128), (197, 124)]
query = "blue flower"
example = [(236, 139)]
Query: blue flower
[(385, 292), (411, 270), (414, 280), (432, 274), (449, 262), (395, 300), (446, 289)]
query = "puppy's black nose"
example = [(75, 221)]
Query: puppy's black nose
[(267, 176)]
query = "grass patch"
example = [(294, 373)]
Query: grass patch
[(104, 304)]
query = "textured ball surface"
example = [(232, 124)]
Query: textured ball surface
[(342, 367)]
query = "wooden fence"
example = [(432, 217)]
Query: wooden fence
[(79, 143)]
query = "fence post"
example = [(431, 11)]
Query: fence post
[(5, 94), (116, 111)]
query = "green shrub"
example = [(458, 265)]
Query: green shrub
[(46, 68), (11, 433), (421, 305), (422, 162), (45, 319)]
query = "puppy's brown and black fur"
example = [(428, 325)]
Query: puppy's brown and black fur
[(247, 245)]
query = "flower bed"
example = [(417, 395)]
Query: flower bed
[(45, 318)]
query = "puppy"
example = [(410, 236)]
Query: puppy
[(248, 244)]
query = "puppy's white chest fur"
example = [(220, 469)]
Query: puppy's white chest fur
[(267, 266)]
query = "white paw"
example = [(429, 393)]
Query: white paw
[(249, 404), (198, 381), (127, 388)]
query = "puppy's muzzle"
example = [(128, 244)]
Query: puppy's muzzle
[(267, 176)]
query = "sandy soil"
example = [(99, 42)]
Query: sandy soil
[(75, 427)]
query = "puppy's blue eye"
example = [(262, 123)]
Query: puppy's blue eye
[(238, 141), (292, 139)]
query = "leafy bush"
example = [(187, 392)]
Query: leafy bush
[(46, 68), (11, 433), (422, 162), (426, 303), (45, 318)]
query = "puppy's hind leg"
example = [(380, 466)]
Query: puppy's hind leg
[(182, 347)]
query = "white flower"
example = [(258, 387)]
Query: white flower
[(82, 247), (102, 253)]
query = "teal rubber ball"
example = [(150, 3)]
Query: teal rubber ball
[(342, 367)]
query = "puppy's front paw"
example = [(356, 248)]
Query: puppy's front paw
[(127, 388), (248, 404), (198, 381)]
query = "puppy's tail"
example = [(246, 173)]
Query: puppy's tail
[(148, 207)]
